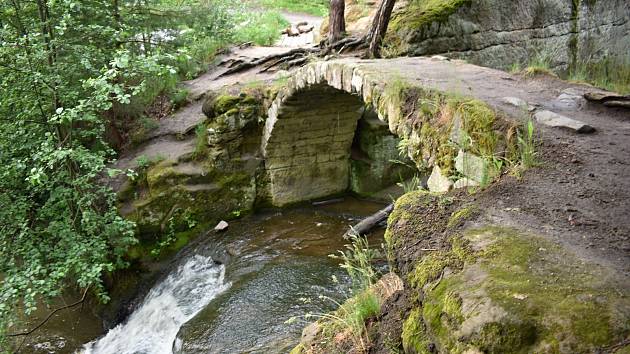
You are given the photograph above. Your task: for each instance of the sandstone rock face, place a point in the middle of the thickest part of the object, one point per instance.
(499, 33)
(374, 157)
(308, 154)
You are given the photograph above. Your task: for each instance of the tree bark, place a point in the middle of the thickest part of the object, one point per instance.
(379, 27)
(337, 25)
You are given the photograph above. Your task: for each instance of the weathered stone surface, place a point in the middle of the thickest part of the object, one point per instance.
(438, 183)
(516, 102)
(307, 149)
(471, 166)
(308, 181)
(569, 99)
(499, 33)
(556, 120)
(500, 290)
(465, 182)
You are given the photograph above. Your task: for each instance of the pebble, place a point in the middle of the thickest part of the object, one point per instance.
(221, 226)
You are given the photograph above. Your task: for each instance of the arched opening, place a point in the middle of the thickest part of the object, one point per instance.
(323, 141)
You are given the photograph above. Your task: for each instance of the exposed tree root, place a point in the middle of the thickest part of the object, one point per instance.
(295, 57)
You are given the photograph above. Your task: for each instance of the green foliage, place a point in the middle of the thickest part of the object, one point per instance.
(527, 145)
(69, 70)
(313, 7)
(357, 260)
(201, 148)
(540, 64)
(261, 28)
(609, 73)
(410, 185)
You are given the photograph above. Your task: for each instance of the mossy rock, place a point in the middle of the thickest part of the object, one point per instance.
(180, 203)
(415, 19)
(512, 292)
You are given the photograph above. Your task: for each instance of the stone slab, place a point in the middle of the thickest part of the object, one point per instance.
(556, 120)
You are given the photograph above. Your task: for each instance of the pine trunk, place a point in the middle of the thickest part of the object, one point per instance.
(337, 20)
(379, 27)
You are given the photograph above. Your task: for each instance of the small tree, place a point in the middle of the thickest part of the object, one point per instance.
(379, 27)
(337, 25)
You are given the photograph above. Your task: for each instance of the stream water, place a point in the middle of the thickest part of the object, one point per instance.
(232, 292)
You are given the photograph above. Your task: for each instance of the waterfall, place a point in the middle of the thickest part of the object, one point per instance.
(152, 328)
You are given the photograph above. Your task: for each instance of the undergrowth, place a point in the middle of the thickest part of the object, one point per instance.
(610, 74)
(348, 322)
(312, 7)
(201, 146)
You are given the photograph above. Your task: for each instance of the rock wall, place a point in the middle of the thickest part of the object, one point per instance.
(307, 156)
(499, 33)
(376, 162)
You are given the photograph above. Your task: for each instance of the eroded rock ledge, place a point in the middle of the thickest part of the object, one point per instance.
(499, 33)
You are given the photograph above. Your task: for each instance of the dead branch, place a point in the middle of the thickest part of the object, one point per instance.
(367, 224)
(26, 333)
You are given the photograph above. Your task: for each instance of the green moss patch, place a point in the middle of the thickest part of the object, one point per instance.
(414, 337)
(434, 126)
(516, 293)
(417, 16)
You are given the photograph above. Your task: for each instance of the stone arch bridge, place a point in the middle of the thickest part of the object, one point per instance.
(311, 123)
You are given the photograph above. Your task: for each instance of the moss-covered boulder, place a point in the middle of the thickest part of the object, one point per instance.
(170, 199)
(499, 290)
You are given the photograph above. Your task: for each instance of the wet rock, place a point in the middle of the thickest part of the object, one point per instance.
(472, 166)
(438, 183)
(221, 226)
(556, 120)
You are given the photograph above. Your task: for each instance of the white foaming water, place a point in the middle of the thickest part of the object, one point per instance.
(152, 328)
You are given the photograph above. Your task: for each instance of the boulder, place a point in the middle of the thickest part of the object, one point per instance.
(516, 102)
(465, 182)
(556, 120)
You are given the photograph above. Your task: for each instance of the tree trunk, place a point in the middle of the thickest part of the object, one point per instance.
(379, 27)
(337, 25)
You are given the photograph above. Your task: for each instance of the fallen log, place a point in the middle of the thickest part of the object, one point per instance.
(327, 202)
(369, 223)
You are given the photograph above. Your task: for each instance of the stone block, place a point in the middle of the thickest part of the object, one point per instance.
(438, 183)
(299, 183)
